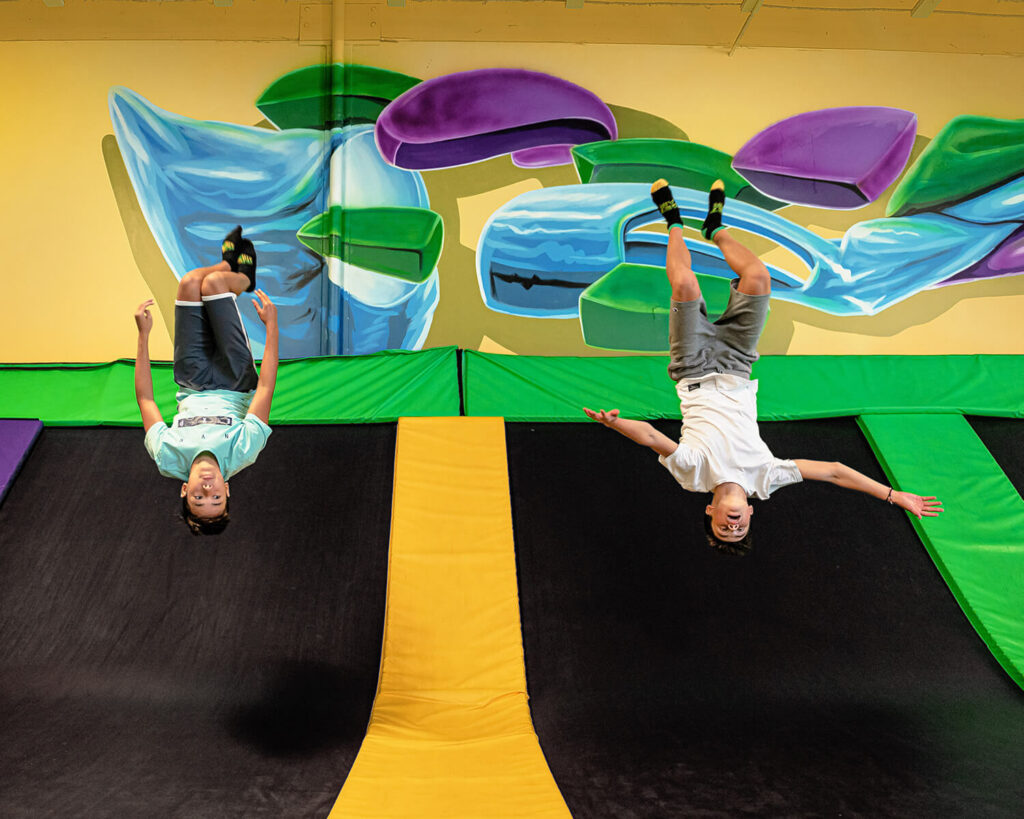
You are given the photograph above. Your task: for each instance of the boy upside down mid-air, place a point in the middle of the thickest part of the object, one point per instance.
(720, 449)
(223, 403)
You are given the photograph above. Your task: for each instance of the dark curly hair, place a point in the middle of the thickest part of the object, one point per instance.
(729, 547)
(205, 526)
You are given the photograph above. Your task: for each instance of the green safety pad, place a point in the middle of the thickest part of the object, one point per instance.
(80, 394)
(976, 542)
(327, 390)
(340, 389)
(796, 387)
(968, 156)
(627, 308)
(553, 388)
(683, 164)
(331, 96)
(400, 242)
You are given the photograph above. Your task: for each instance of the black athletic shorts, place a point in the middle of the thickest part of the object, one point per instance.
(211, 347)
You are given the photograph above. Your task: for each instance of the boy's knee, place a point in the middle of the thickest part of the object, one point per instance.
(687, 289)
(190, 286)
(224, 281)
(217, 282)
(755, 282)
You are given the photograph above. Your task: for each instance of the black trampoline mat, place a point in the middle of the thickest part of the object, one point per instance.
(147, 672)
(828, 673)
(1004, 438)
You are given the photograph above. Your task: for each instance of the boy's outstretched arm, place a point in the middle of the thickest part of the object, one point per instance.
(143, 374)
(639, 431)
(848, 478)
(260, 406)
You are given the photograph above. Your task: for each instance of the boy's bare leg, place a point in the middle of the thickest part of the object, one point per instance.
(224, 280)
(754, 277)
(190, 288)
(678, 265)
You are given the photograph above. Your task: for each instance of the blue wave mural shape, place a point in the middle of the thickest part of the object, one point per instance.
(196, 179)
(545, 246)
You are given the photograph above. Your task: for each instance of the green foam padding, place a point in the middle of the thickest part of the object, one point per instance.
(395, 241)
(331, 96)
(327, 390)
(968, 156)
(976, 542)
(385, 386)
(627, 308)
(791, 388)
(683, 164)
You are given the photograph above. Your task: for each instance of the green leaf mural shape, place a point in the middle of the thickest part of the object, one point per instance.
(331, 96)
(627, 308)
(968, 156)
(400, 242)
(683, 164)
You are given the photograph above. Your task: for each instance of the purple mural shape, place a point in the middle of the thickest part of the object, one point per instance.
(543, 157)
(1005, 260)
(838, 158)
(470, 116)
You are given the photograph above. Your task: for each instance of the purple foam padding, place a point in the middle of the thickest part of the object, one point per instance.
(470, 116)
(838, 158)
(16, 439)
(1005, 260)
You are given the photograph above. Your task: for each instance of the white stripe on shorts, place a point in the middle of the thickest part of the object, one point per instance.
(241, 323)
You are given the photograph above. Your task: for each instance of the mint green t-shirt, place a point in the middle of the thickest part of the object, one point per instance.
(215, 421)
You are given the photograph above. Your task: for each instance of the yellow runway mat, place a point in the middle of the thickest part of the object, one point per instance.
(450, 734)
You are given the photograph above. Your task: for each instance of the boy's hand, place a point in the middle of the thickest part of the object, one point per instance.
(265, 308)
(916, 505)
(607, 418)
(143, 318)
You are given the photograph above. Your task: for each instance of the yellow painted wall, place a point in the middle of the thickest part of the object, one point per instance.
(71, 273)
(70, 280)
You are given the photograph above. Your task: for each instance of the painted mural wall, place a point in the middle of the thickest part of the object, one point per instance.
(496, 198)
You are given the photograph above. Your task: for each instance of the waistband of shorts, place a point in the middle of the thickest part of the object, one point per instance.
(707, 376)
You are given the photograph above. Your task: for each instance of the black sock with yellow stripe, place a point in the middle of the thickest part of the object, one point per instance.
(716, 204)
(245, 262)
(229, 247)
(661, 193)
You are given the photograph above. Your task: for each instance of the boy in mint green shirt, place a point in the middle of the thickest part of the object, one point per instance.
(221, 424)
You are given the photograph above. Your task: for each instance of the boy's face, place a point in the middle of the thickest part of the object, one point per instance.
(730, 519)
(206, 490)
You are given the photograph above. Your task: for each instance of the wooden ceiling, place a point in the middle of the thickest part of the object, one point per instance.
(938, 26)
